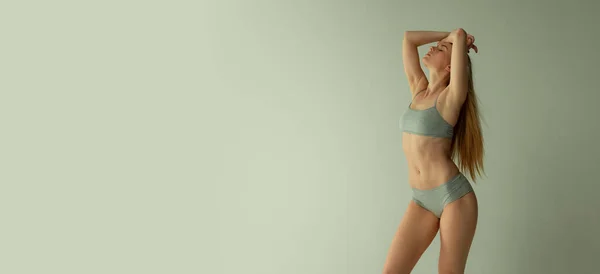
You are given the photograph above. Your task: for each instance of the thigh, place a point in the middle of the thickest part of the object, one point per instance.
(457, 230)
(417, 229)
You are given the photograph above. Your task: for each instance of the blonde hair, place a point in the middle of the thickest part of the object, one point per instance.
(467, 142)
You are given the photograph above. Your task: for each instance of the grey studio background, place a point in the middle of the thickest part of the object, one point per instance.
(262, 136)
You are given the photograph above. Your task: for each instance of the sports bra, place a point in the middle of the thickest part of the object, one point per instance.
(426, 122)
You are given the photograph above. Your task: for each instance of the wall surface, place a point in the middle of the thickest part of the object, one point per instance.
(261, 137)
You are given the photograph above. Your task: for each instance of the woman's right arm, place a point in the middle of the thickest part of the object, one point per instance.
(410, 55)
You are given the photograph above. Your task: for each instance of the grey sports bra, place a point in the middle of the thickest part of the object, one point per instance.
(426, 122)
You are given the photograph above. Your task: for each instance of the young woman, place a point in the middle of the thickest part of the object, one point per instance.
(440, 125)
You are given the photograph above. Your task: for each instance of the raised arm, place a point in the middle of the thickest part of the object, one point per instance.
(410, 56)
(459, 82)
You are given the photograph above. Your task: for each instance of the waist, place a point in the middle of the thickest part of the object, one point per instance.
(425, 175)
(426, 149)
(429, 163)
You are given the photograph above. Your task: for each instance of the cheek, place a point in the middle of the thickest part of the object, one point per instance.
(444, 58)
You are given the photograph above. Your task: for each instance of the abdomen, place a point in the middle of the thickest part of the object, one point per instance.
(429, 160)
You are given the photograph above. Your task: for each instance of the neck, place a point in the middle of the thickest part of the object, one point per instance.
(438, 80)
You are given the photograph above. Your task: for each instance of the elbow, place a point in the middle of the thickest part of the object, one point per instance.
(460, 32)
(408, 38)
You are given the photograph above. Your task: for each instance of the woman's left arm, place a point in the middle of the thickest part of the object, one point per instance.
(459, 80)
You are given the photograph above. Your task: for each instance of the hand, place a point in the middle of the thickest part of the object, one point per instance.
(470, 39)
(470, 43)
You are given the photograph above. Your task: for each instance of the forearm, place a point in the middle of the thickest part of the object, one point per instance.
(458, 39)
(457, 36)
(419, 38)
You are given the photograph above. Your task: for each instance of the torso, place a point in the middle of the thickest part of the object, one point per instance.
(429, 157)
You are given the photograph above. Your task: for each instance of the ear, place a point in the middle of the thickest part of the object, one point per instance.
(447, 68)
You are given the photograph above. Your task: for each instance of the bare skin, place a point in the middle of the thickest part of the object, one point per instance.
(457, 229)
(415, 233)
(429, 161)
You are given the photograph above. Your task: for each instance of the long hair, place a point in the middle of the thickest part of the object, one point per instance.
(467, 142)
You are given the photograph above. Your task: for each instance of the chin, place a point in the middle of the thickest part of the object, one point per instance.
(425, 62)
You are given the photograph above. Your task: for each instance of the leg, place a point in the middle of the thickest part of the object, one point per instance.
(457, 229)
(415, 233)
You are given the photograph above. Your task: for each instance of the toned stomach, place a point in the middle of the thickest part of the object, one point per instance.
(429, 160)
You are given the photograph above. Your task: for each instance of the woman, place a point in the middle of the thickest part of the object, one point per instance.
(441, 124)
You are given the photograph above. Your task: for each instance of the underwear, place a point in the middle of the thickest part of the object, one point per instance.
(437, 198)
(426, 122)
